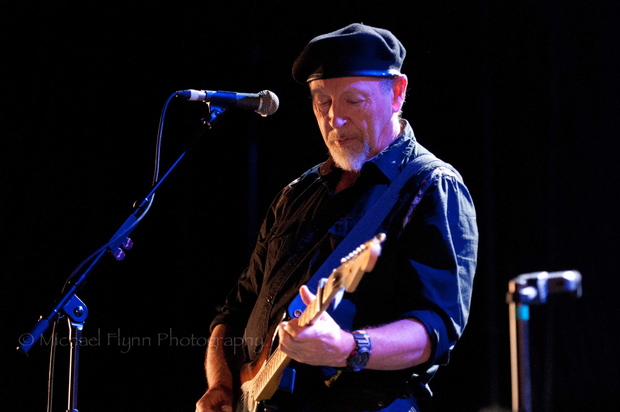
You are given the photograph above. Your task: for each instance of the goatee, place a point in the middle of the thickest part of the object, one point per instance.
(350, 158)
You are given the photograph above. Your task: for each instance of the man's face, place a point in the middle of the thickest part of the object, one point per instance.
(356, 117)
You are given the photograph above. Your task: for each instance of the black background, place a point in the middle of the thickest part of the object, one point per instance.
(521, 96)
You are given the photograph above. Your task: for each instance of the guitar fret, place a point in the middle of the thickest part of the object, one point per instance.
(271, 365)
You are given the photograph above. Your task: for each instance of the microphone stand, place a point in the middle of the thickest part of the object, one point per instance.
(524, 290)
(70, 306)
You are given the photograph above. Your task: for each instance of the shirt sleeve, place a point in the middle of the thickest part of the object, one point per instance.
(442, 251)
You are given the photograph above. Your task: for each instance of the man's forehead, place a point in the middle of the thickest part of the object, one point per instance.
(344, 84)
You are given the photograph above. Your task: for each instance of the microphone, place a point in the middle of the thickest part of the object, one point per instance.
(264, 103)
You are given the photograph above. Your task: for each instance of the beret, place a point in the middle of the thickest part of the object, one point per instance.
(355, 50)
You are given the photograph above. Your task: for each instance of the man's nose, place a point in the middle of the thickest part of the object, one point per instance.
(337, 117)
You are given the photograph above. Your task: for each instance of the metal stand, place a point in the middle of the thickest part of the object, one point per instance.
(70, 306)
(76, 312)
(519, 353)
(524, 290)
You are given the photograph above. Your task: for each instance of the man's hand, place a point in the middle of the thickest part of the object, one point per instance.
(216, 399)
(321, 344)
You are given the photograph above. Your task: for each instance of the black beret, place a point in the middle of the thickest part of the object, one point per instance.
(355, 50)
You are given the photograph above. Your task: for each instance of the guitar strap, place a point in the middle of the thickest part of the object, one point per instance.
(367, 227)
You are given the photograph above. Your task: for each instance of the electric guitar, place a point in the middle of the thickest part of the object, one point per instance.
(260, 379)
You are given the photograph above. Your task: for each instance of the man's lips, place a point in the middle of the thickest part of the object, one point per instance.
(343, 141)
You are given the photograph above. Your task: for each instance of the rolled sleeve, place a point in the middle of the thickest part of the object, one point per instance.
(443, 256)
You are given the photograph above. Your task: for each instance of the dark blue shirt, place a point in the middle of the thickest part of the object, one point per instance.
(425, 271)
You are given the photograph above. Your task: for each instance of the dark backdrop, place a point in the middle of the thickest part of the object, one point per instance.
(521, 96)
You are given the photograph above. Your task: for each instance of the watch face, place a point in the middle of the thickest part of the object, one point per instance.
(359, 360)
(363, 357)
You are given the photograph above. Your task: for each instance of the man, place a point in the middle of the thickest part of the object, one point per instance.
(410, 310)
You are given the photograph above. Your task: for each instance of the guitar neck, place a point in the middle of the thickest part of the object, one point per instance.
(325, 294)
(274, 366)
(263, 382)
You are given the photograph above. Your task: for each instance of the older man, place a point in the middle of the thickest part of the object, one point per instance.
(379, 348)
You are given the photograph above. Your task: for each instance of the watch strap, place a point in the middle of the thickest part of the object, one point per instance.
(359, 356)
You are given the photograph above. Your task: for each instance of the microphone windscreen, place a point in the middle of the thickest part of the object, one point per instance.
(269, 103)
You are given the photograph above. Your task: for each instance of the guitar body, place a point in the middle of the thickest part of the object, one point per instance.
(260, 379)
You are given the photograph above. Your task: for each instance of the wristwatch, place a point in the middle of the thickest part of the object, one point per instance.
(358, 358)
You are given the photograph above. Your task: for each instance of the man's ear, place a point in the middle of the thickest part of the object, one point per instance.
(400, 90)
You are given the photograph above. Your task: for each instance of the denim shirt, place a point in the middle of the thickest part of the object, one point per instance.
(425, 270)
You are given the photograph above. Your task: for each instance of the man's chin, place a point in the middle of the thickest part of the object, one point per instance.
(350, 163)
(350, 158)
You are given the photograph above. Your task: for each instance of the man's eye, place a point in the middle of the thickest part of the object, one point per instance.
(323, 106)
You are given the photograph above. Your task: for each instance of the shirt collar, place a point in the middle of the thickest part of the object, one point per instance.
(392, 159)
